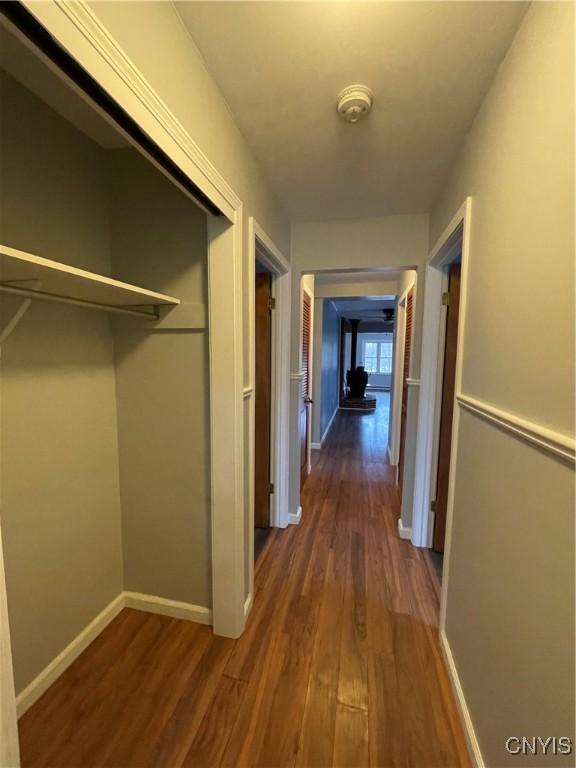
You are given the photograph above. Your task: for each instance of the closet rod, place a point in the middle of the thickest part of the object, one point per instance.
(45, 296)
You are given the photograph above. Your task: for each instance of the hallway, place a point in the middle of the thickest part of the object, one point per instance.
(339, 664)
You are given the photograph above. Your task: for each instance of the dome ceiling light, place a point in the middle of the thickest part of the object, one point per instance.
(354, 102)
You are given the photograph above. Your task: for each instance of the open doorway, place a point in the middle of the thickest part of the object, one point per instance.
(441, 373)
(353, 361)
(406, 349)
(305, 388)
(263, 307)
(266, 395)
(451, 300)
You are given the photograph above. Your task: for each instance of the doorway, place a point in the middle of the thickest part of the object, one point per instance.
(408, 323)
(263, 306)
(267, 466)
(305, 400)
(451, 300)
(446, 273)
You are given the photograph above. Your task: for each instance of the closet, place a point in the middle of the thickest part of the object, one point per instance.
(104, 399)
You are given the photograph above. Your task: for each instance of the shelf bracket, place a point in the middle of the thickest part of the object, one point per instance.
(19, 313)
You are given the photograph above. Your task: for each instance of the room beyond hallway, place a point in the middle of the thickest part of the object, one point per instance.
(339, 664)
(368, 430)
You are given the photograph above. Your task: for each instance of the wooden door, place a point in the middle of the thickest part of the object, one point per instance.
(305, 386)
(263, 397)
(447, 408)
(409, 310)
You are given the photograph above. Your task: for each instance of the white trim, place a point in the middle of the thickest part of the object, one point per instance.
(113, 69)
(542, 437)
(294, 519)
(137, 600)
(163, 606)
(9, 748)
(403, 531)
(268, 252)
(58, 665)
(412, 382)
(247, 392)
(227, 432)
(248, 603)
(318, 446)
(297, 376)
(398, 376)
(329, 426)
(469, 732)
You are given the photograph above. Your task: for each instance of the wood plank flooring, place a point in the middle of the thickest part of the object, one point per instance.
(339, 665)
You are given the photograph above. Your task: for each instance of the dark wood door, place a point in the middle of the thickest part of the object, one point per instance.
(305, 386)
(263, 397)
(405, 376)
(447, 408)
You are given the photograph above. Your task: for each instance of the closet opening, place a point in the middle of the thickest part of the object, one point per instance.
(105, 451)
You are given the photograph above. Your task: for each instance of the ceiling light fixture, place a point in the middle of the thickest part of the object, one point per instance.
(354, 102)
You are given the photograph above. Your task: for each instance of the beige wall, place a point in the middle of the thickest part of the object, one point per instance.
(390, 242)
(510, 601)
(59, 453)
(165, 53)
(95, 498)
(159, 239)
(329, 290)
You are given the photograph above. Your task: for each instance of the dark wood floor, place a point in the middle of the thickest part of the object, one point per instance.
(339, 664)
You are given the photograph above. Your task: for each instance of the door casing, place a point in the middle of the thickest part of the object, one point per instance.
(447, 399)
(455, 240)
(262, 247)
(263, 398)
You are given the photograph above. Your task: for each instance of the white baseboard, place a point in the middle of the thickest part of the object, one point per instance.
(403, 531)
(469, 732)
(166, 607)
(248, 604)
(318, 446)
(57, 666)
(294, 519)
(325, 435)
(148, 603)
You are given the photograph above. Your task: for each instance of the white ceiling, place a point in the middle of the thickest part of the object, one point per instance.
(280, 65)
(363, 309)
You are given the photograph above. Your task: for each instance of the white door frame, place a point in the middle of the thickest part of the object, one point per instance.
(454, 239)
(262, 247)
(398, 376)
(78, 29)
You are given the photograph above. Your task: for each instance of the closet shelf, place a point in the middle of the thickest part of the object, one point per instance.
(34, 277)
